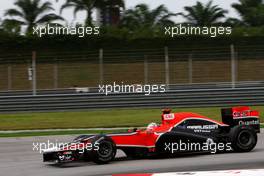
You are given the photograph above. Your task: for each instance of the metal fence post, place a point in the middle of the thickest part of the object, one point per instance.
(190, 66)
(167, 71)
(9, 77)
(146, 69)
(101, 65)
(34, 75)
(233, 66)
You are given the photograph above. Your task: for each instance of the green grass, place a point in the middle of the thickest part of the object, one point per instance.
(94, 119)
(51, 133)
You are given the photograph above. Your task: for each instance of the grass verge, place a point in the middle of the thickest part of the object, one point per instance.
(91, 119)
(97, 119)
(52, 133)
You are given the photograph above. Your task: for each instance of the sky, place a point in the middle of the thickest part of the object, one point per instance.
(173, 5)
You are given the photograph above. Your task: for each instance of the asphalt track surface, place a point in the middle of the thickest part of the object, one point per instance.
(17, 158)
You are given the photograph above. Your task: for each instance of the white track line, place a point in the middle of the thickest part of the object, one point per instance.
(253, 172)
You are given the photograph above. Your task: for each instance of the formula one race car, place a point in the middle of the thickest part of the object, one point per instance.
(178, 133)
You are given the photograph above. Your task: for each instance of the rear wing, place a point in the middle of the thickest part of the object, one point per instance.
(241, 115)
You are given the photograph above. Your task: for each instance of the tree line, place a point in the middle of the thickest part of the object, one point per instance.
(139, 20)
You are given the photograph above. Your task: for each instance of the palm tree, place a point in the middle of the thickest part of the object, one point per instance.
(143, 17)
(31, 13)
(204, 14)
(90, 5)
(81, 5)
(251, 12)
(110, 8)
(11, 27)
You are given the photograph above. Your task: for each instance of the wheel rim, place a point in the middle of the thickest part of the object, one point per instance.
(105, 149)
(244, 138)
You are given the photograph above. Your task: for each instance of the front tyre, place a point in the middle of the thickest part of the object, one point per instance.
(243, 138)
(105, 151)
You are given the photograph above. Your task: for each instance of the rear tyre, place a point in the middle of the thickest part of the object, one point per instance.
(105, 150)
(243, 138)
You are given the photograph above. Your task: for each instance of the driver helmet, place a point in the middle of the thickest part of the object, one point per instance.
(152, 125)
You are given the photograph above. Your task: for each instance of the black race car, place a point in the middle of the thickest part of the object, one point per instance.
(178, 133)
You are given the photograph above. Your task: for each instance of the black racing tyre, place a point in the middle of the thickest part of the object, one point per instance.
(243, 138)
(105, 150)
